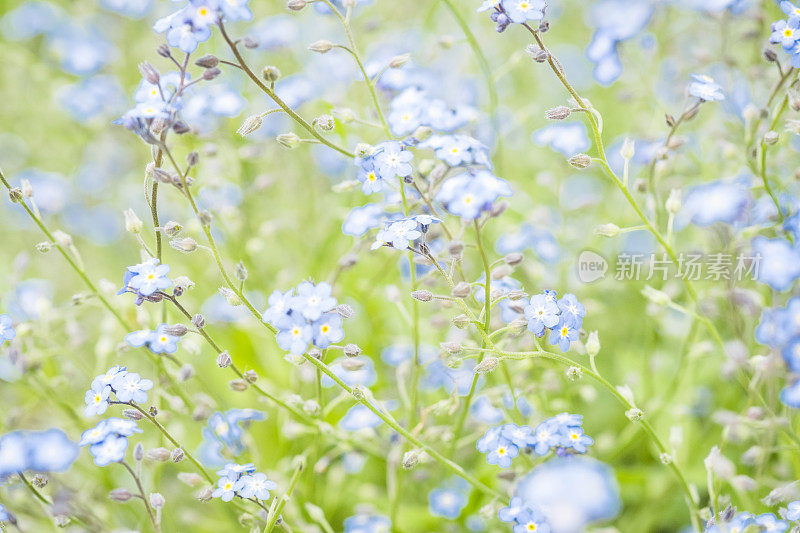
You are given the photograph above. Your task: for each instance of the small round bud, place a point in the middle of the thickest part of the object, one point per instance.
(120, 495)
(358, 393)
(345, 115)
(352, 365)
(172, 228)
(324, 122)
(237, 385)
(138, 452)
(557, 113)
(422, 295)
(296, 5)
(224, 360)
(410, 460)
(192, 158)
(15, 195)
(461, 290)
(574, 373)
(163, 50)
(461, 321)
(322, 46)
(157, 501)
(770, 55)
(451, 347)
(250, 42)
(190, 478)
(344, 310)
(580, 161)
(176, 330)
(538, 55)
(240, 271)
(311, 407)
(271, 74)
(665, 458)
(513, 259)
(207, 61)
(177, 455)
(771, 137)
(251, 376)
(288, 140)
(204, 217)
(43, 247)
(352, 350)
(153, 410)
(211, 73)
(230, 296)
(487, 365)
(198, 321)
(634, 415)
(185, 372)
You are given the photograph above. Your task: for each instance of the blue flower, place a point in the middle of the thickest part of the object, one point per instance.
(704, 88)
(520, 11)
(182, 30)
(447, 502)
(778, 262)
(545, 436)
(225, 490)
(108, 377)
(793, 511)
(542, 312)
(515, 508)
(572, 310)
(531, 520)
(96, 400)
(130, 387)
(110, 450)
(147, 278)
(469, 194)
(6, 516)
(520, 436)
(158, 341)
(7, 331)
(391, 159)
(313, 300)
(786, 33)
(716, 201)
(359, 417)
(398, 234)
(576, 439)
(235, 10)
(790, 395)
(563, 334)
(771, 524)
(40, 451)
(295, 335)
(234, 471)
(483, 410)
(367, 523)
(255, 486)
(773, 328)
(370, 180)
(280, 303)
(458, 150)
(565, 138)
(362, 219)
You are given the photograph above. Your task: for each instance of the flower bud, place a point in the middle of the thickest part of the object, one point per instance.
(132, 414)
(487, 365)
(15, 195)
(422, 295)
(352, 350)
(345, 115)
(158, 454)
(344, 310)
(451, 347)
(271, 73)
(198, 321)
(138, 452)
(580, 161)
(231, 297)
(186, 245)
(321, 47)
(237, 385)
(461, 290)
(513, 259)
(593, 344)
(358, 393)
(607, 230)
(771, 137)
(558, 113)
(251, 376)
(177, 455)
(399, 60)
(240, 271)
(43, 247)
(656, 296)
(673, 203)
(352, 365)
(250, 124)
(224, 359)
(207, 61)
(461, 321)
(324, 122)
(628, 149)
(120, 495)
(157, 501)
(574, 373)
(634, 415)
(177, 330)
(539, 55)
(190, 478)
(132, 223)
(149, 72)
(410, 460)
(288, 140)
(296, 5)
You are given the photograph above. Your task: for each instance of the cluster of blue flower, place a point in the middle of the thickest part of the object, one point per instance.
(242, 481)
(786, 32)
(779, 328)
(523, 517)
(191, 24)
(127, 386)
(108, 440)
(37, 451)
(7, 331)
(381, 163)
(563, 317)
(367, 523)
(415, 107)
(223, 434)
(400, 233)
(562, 433)
(765, 522)
(157, 341)
(307, 316)
(504, 12)
(472, 193)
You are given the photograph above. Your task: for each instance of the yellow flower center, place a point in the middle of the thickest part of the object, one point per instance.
(787, 32)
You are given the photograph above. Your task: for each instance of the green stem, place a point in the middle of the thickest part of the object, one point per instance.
(275, 512)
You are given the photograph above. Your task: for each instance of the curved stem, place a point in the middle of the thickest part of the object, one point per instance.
(143, 496)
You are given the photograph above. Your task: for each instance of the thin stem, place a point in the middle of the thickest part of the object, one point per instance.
(275, 513)
(143, 496)
(269, 92)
